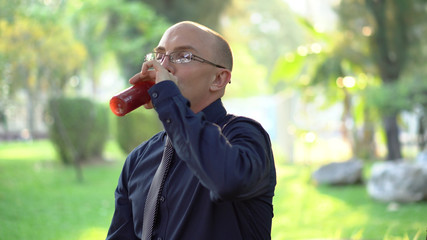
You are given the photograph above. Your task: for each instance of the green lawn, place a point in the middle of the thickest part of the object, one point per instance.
(305, 211)
(41, 199)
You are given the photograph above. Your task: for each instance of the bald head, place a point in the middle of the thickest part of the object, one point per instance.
(220, 49)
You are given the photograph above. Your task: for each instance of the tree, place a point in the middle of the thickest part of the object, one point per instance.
(204, 12)
(30, 51)
(125, 29)
(389, 47)
(268, 30)
(259, 34)
(396, 26)
(44, 44)
(377, 40)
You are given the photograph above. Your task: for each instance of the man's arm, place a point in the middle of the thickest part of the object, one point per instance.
(234, 164)
(122, 226)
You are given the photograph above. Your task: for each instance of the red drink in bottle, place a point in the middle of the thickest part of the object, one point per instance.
(131, 98)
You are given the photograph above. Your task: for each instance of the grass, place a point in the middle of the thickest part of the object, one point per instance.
(41, 199)
(306, 211)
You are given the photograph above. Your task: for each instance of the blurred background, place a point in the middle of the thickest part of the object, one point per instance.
(330, 80)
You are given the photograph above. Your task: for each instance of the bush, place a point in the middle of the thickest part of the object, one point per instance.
(136, 127)
(78, 128)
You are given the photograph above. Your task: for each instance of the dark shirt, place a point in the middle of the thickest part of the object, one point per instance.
(220, 184)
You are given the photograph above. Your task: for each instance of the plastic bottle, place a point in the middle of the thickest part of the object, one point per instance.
(131, 98)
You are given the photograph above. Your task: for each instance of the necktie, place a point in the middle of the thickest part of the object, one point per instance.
(152, 201)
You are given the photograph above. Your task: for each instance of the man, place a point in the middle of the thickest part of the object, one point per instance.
(221, 179)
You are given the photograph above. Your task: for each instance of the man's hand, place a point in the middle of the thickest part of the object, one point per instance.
(152, 71)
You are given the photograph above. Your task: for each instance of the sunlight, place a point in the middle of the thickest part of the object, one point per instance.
(367, 31)
(347, 82)
(33, 150)
(302, 51)
(319, 12)
(54, 4)
(290, 57)
(93, 234)
(316, 48)
(310, 137)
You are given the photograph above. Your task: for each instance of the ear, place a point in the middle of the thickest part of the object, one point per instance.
(221, 80)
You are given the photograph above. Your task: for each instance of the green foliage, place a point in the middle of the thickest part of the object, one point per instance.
(247, 83)
(288, 69)
(397, 97)
(204, 12)
(44, 43)
(389, 98)
(128, 29)
(267, 30)
(390, 42)
(38, 55)
(136, 127)
(259, 34)
(378, 42)
(78, 128)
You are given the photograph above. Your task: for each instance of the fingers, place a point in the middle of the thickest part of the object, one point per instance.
(152, 71)
(148, 105)
(139, 77)
(149, 66)
(136, 78)
(157, 71)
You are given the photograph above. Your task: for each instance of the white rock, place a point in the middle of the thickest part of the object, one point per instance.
(339, 173)
(398, 182)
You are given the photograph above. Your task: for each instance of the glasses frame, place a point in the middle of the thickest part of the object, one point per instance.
(192, 58)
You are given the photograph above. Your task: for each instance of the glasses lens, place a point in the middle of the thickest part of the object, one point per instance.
(154, 56)
(149, 56)
(181, 57)
(159, 56)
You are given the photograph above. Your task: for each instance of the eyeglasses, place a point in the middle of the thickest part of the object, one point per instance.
(178, 57)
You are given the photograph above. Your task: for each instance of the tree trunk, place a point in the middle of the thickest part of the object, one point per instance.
(390, 45)
(345, 118)
(77, 162)
(31, 104)
(392, 133)
(421, 134)
(365, 142)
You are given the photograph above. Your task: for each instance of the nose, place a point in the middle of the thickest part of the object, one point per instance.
(166, 63)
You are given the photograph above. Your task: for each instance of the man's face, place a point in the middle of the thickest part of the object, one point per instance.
(193, 78)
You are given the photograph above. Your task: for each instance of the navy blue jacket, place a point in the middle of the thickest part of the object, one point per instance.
(220, 184)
